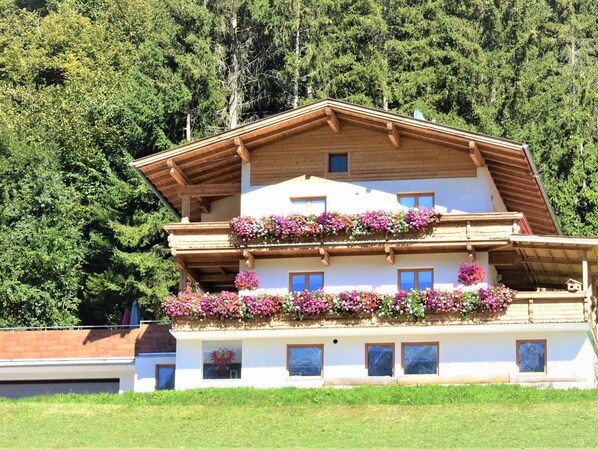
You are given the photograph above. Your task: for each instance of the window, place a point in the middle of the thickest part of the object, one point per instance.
(531, 356)
(309, 206)
(165, 377)
(222, 360)
(380, 359)
(306, 281)
(338, 163)
(414, 199)
(416, 279)
(305, 360)
(419, 358)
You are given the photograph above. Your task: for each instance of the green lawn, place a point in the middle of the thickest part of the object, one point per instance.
(431, 416)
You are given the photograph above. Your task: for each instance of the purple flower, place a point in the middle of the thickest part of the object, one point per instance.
(247, 280)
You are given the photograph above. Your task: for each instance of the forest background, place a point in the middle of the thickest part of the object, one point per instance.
(86, 86)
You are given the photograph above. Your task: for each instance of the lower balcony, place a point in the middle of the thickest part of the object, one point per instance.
(553, 307)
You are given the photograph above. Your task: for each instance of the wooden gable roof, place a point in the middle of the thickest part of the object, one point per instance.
(210, 168)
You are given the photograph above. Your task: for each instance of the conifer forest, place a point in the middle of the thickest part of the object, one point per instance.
(86, 86)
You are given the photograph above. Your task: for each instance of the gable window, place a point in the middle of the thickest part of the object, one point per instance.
(338, 163)
(416, 199)
(309, 205)
(306, 281)
(165, 377)
(380, 359)
(222, 360)
(531, 356)
(416, 279)
(305, 360)
(419, 358)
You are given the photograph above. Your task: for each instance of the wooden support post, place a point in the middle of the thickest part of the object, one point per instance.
(242, 151)
(182, 279)
(393, 134)
(324, 256)
(185, 208)
(530, 310)
(249, 259)
(585, 273)
(390, 254)
(177, 174)
(471, 252)
(332, 120)
(474, 153)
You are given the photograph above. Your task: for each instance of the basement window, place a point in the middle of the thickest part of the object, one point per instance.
(338, 163)
(420, 358)
(305, 360)
(531, 356)
(380, 359)
(165, 377)
(222, 360)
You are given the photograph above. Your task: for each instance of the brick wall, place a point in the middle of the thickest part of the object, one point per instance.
(79, 343)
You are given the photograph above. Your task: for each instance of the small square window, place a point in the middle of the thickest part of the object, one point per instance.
(165, 377)
(420, 358)
(419, 279)
(531, 356)
(305, 360)
(380, 359)
(338, 163)
(306, 281)
(409, 200)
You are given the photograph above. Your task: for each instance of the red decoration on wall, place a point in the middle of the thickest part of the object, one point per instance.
(222, 358)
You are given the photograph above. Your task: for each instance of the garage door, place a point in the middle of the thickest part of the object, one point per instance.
(19, 389)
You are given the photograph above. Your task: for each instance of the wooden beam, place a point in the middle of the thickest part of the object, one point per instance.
(474, 153)
(390, 254)
(393, 134)
(332, 120)
(229, 189)
(177, 174)
(204, 205)
(242, 151)
(585, 272)
(249, 259)
(217, 277)
(471, 252)
(324, 256)
(185, 208)
(213, 266)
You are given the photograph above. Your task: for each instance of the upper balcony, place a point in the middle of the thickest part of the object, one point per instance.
(211, 255)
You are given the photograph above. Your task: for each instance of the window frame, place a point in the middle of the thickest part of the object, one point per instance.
(517, 356)
(416, 197)
(341, 174)
(157, 375)
(420, 343)
(416, 272)
(367, 357)
(306, 345)
(309, 199)
(306, 274)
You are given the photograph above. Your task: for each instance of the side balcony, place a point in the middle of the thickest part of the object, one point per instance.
(208, 252)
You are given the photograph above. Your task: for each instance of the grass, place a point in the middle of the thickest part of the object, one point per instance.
(368, 417)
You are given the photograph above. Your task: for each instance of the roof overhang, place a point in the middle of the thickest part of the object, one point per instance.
(215, 161)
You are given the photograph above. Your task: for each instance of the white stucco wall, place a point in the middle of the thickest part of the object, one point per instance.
(569, 354)
(454, 195)
(145, 369)
(366, 272)
(224, 209)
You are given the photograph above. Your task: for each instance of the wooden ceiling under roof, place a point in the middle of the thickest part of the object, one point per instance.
(215, 162)
(545, 261)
